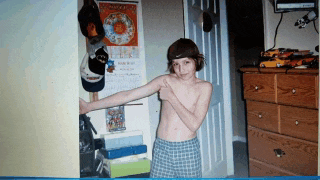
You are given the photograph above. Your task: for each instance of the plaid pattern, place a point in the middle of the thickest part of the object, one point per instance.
(176, 159)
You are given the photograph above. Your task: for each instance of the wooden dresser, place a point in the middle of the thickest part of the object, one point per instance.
(282, 121)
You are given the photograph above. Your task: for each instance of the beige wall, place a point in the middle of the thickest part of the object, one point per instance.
(38, 92)
(40, 53)
(289, 36)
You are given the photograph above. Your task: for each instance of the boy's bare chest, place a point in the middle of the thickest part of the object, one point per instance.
(187, 95)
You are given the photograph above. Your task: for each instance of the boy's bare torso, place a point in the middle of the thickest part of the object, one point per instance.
(185, 101)
(171, 128)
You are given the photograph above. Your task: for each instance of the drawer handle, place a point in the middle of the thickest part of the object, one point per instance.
(256, 88)
(297, 122)
(279, 152)
(294, 91)
(260, 116)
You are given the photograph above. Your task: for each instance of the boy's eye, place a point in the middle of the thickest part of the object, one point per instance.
(175, 64)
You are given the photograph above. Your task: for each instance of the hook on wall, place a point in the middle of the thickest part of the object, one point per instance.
(207, 23)
(205, 20)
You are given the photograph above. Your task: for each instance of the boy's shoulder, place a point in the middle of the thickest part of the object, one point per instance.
(201, 83)
(162, 77)
(159, 80)
(165, 76)
(169, 77)
(204, 84)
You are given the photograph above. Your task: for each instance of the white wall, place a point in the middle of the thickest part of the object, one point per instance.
(289, 36)
(38, 92)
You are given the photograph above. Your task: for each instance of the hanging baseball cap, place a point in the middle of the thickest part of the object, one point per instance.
(89, 13)
(91, 82)
(97, 60)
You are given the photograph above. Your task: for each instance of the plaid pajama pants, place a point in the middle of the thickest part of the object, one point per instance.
(176, 159)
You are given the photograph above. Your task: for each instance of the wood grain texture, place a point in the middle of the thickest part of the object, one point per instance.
(300, 156)
(259, 87)
(297, 90)
(317, 92)
(281, 70)
(258, 168)
(282, 115)
(263, 115)
(299, 122)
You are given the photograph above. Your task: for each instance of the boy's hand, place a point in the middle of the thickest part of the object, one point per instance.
(83, 107)
(166, 92)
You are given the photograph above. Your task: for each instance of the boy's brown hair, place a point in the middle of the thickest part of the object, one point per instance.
(185, 48)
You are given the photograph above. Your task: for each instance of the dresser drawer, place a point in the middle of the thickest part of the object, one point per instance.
(317, 92)
(299, 122)
(263, 115)
(297, 90)
(298, 156)
(260, 87)
(258, 168)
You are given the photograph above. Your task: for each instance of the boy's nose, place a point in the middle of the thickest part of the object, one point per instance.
(181, 68)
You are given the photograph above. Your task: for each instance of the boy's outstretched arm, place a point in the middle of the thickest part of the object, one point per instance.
(192, 120)
(122, 97)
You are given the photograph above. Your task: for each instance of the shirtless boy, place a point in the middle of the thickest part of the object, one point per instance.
(185, 102)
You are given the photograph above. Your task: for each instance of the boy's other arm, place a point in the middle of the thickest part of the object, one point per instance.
(192, 120)
(122, 97)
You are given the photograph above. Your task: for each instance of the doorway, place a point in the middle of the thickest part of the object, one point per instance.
(246, 41)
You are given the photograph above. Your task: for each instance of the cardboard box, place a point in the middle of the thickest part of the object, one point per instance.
(115, 168)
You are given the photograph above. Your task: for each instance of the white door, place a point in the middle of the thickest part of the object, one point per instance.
(215, 134)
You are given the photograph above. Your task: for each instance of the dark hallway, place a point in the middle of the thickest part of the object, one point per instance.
(246, 40)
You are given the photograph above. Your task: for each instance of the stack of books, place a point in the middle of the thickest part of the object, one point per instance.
(124, 154)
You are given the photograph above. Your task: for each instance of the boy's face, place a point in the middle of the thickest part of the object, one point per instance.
(184, 67)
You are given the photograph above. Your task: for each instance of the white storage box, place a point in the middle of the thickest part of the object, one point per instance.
(122, 139)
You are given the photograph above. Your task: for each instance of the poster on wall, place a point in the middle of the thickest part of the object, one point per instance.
(115, 119)
(127, 75)
(120, 22)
